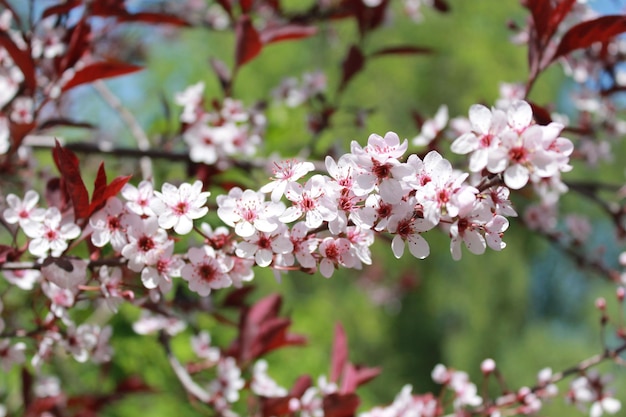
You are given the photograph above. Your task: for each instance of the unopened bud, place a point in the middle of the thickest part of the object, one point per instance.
(621, 292)
(601, 303)
(488, 366)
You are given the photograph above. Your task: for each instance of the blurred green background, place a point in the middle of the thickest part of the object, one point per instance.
(528, 307)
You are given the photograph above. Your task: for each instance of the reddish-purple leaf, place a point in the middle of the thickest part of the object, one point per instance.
(402, 50)
(354, 62)
(237, 297)
(540, 114)
(22, 58)
(441, 5)
(547, 18)
(99, 71)
(102, 193)
(277, 406)
(585, 34)
(6, 253)
(340, 405)
(285, 33)
(100, 182)
(78, 42)
(248, 42)
(355, 376)
(339, 356)
(246, 5)
(67, 164)
(303, 383)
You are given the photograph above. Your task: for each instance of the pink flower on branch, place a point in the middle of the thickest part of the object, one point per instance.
(178, 207)
(206, 271)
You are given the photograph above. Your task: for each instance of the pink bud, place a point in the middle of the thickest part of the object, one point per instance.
(601, 303)
(488, 366)
(621, 292)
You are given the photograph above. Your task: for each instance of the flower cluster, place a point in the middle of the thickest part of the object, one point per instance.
(215, 137)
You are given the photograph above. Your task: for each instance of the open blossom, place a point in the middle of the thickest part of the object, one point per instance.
(201, 345)
(284, 173)
(247, 212)
(23, 211)
(335, 252)
(67, 273)
(107, 225)
(263, 246)
(177, 207)
(206, 271)
(138, 198)
(431, 128)
(160, 273)
(146, 242)
(262, 384)
(408, 228)
(229, 382)
(51, 235)
(314, 201)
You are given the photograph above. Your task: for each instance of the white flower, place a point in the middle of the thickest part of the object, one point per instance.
(50, 234)
(177, 207)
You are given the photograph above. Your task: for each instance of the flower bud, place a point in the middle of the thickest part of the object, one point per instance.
(488, 366)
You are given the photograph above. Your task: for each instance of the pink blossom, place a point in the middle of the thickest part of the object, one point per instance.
(247, 212)
(138, 198)
(228, 382)
(408, 228)
(11, 354)
(285, 173)
(335, 252)
(51, 235)
(304, 245)
(486, 125)
(149, 323)
(146, 242)
(160, 273)
(314, 201)
(206, 271)
(201, 345)
(262, 384)
(262, 246)
(431, 128)
(22, 278)
(177, 207)
(23, 211)
(108, 226)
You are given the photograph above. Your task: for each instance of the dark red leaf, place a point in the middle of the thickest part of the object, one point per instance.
(275, 406)
(339, 356)
(237, 297)
(22, 58)
(585, 34)
(99, 71)
(546, 17)
(354, 62)
(403, 50)
(248, 41)
(78, 42)
(6, 253)
(67, 164)
(340, 405)
(354, 376)
(102, 192)
(302, 384)
(368, 18)
(246, 5)
(101, 181)
(441, 5)
(288, 32)
(540, 114)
